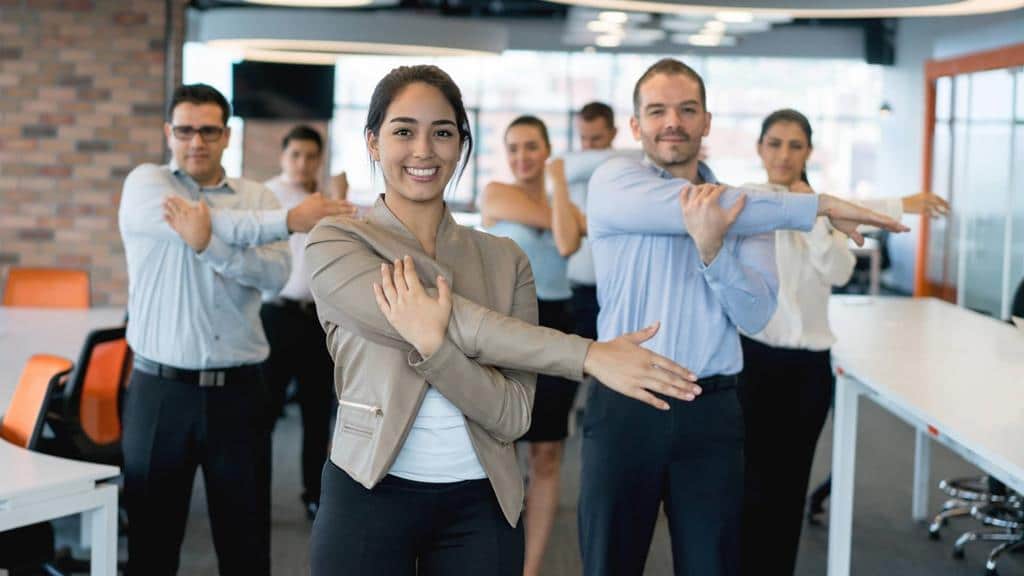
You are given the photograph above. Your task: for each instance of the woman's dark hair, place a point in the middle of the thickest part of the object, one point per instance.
(537, 123)
(396, 80)
(788, 115)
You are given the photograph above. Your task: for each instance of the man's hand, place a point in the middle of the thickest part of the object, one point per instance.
(925, 203)
(846, 217)
(706, 220)
(419, 318)
(190, 220)
(622, 365)
(315, 207)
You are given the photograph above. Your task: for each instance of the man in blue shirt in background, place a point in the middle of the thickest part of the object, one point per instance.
(670, 245)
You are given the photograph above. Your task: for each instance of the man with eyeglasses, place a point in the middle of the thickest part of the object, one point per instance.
(200, 248)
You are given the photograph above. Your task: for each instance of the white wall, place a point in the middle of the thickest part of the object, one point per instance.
(918, 40)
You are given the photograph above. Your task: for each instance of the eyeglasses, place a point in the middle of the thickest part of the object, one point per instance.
(207, 133)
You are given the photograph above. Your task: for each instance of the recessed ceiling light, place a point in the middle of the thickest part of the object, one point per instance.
(614, 17)
(608, 40)
(707, 40)
(589, 49)
(714, 26)
(325, 51)
(602, 26)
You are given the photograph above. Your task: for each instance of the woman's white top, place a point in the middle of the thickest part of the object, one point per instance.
(809, 264)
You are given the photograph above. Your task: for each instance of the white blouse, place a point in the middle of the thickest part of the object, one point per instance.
(809, 264)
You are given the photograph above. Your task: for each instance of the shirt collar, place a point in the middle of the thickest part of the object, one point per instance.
(381, 215)
(225, 185)
(703, 170)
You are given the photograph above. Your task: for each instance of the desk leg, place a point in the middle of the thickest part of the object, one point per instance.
(103, 526)
(922, 473)
(876, 271)
(844, 451)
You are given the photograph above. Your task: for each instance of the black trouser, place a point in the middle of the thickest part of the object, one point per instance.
(401, 528)
(172, 427)
(585, 309)
(298, 349)
(786, 394)
(636, 457)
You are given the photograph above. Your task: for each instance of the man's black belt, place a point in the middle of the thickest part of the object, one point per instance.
(718, 383)
(202, 378)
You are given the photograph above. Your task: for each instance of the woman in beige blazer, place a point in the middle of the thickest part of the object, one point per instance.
(436, 382)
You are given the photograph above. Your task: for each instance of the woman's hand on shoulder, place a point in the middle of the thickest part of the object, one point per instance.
(420, 318)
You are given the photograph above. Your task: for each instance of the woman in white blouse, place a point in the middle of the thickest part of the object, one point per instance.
(787, 375)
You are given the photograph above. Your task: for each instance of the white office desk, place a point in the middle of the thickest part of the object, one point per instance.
(28, 331)
(35, 487)
(954, 375)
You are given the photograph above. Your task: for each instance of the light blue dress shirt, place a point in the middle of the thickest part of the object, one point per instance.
(200, 311)
(648, 269)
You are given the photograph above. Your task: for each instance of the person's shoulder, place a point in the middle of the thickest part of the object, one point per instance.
(147, 171)
(494, 247)
(615, 166)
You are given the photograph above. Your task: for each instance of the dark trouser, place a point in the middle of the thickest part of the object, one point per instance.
(585, 309)
(401, 528)
(554, 396)
(636, 457)
(172, 427)
(298, 350)
(786, 394)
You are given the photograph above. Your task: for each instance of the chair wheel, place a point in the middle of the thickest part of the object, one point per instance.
(958, 553)
(991, 572)
(933, 534)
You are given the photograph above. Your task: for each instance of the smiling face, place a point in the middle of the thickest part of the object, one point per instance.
(671, 120)
(197, 157)
(418, 146)
(784, 150)
(526, 152)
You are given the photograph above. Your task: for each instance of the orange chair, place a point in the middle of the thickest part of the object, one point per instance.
(86, 415)
(47, 288)
(25, 414)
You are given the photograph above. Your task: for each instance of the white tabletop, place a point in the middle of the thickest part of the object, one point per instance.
(28, 331)
(34, 475)
(956, 370)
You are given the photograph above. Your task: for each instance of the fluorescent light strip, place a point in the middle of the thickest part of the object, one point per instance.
(961, 8)
(305, 50)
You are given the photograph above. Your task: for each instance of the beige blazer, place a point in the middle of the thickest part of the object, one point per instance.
(380, 380)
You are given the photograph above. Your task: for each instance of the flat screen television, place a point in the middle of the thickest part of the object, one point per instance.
(269, 90)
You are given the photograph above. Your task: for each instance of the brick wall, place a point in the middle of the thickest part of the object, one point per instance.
(82, 90)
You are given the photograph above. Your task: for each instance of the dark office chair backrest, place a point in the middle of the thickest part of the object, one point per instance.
(1018, 301)
(90, 406)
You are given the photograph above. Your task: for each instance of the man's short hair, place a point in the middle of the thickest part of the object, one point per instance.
(303, 132)
(199, 94)
(595, 110)
(668, 66)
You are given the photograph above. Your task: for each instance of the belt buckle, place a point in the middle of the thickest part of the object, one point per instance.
(211, 378)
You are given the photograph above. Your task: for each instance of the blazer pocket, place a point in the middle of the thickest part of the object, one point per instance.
(358, 418)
